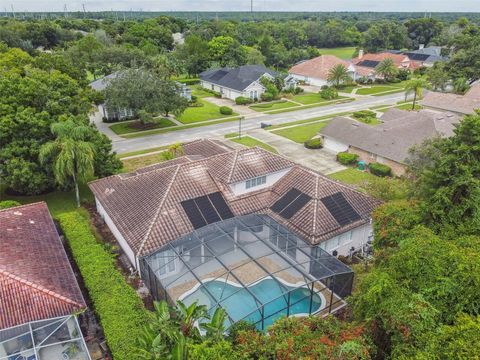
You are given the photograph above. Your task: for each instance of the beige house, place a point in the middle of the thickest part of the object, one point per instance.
(389, 142)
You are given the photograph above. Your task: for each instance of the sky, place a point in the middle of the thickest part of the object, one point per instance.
(244, 5)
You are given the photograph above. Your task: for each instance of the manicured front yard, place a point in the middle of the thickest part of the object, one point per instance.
(199, 91)
(206, 112)
(134, 126)
(352, 176)
(141, 161)
(301, 133)
(341, 52)
(274, 105)
(376, 89)
(308, 98)
(251, 142)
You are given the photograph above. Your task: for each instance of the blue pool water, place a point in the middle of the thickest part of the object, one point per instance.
(240, 304)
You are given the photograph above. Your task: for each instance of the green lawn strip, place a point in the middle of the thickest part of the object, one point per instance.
(399, 90)
(125, 127)
(251, 142)
(177, 128)
(281, 104)
(352, 176)
(142, 152)
(199, 91)
(341, 52)
(301, 133)
(347, 89)
(375, 89)
(206, 112)
(373, 121)
(409, 107)
(345, 100)
(117, 305)
(231, 135)
(308, 98)
(311, 120)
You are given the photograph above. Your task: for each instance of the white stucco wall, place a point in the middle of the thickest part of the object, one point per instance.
(233, 94)
(359, 237)
(113, 228)
(310, 81)
(240, 188)
(333, 145)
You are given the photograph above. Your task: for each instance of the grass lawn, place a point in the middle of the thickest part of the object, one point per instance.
(251, 142)
(140, 152)
(301, 133)
(128, 127)
(282, 104)
(341, 52)
(308, 98)
(199, 91)
(141, 161)
(375, 89)
(352, 176)
(206, 112)
(369, 121)
(347, 89)
(408, 107)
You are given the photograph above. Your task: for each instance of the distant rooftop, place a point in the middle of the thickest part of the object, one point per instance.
(464, 104)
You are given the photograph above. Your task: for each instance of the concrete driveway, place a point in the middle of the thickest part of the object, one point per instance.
(316, 159)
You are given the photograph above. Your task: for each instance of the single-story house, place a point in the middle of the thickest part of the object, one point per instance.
(315, 71)
(39, 294)
(459, 104)
(423, 56)
(115, 114)
(240, 81)
(365, 64)
(389, 142)
(236, 218)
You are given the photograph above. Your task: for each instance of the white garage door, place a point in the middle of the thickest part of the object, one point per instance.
(334, 146)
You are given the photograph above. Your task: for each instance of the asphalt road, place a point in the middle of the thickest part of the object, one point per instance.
(218, 130)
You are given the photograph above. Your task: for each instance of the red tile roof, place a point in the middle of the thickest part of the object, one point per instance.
(147, 209)
(36, 279)
(318, 67)
(401, 61)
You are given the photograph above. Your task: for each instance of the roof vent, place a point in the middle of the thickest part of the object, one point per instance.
(17, 213)
(108, 191)
(355, 124)
(449, 115)
(31, 221)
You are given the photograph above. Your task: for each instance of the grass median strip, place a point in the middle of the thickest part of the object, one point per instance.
(177, 128)
(141, 152)
(301, 133)
(274, 105)
(295, 108)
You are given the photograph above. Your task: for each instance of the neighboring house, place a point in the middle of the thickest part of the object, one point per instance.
(389, 142)
(234, 82)
(114, 113)
(424, 56)
(241, 216)
(365, 64)
(315, 71)
(39, 294)
(459, 104)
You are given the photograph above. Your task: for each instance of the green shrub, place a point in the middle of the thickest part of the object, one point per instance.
(313, 143)
(242, 100)
(347, 158)
(117, 305)
(266, 96)
(363, 114)
(189, 81)
(329, 93)
(8, 204)
(380, 169)
(225, 110)
(193, 98)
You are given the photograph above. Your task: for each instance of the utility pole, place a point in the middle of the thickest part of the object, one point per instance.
(65, 11)
(251, 6)
(13, 11)
(84, 12)
(240, 127)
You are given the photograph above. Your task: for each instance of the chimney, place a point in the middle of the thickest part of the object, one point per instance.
(360, 54)
(421, 46)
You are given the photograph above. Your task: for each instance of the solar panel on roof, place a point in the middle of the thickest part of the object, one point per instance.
(218, 75)
(369, 63)
(286, 199)
(418, 57)
(340, 209)
(222, 208)
(206, 208)
(193, 214)
(295, 206)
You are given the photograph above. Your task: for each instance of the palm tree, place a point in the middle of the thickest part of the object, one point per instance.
(71, 152)
(338, 74)
(387, 69)
(415, 86)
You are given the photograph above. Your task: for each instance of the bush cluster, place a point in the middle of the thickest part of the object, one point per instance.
(225, 110)
(315, 143)
(189, 81)
(266, 96)
(121, 312)
(5, 204)
(347, 158)
(242, 100)
(329, 93)
(362, 114)
(380, 169)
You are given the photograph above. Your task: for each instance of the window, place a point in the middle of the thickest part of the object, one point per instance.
(255, 182)
(213, 87)
(283, 244)
(337, 241)
(167, 263)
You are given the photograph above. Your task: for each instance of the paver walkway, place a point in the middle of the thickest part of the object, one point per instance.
(318, 159)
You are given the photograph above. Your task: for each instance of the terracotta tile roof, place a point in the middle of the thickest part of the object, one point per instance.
(36, 279)
(464, 104)
(146, 208)
(401, 61)
(317, 67)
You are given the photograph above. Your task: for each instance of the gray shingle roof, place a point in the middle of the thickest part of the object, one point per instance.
(394, 137)
(238, 78)
(464, 104)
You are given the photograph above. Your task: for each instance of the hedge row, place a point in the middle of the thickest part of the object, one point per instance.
(380, 169)
(347, 158)
(120, 310)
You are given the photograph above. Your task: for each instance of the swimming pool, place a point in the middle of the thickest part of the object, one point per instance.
(240, 304)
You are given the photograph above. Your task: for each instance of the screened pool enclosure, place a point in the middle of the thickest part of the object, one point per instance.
(251, 266)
